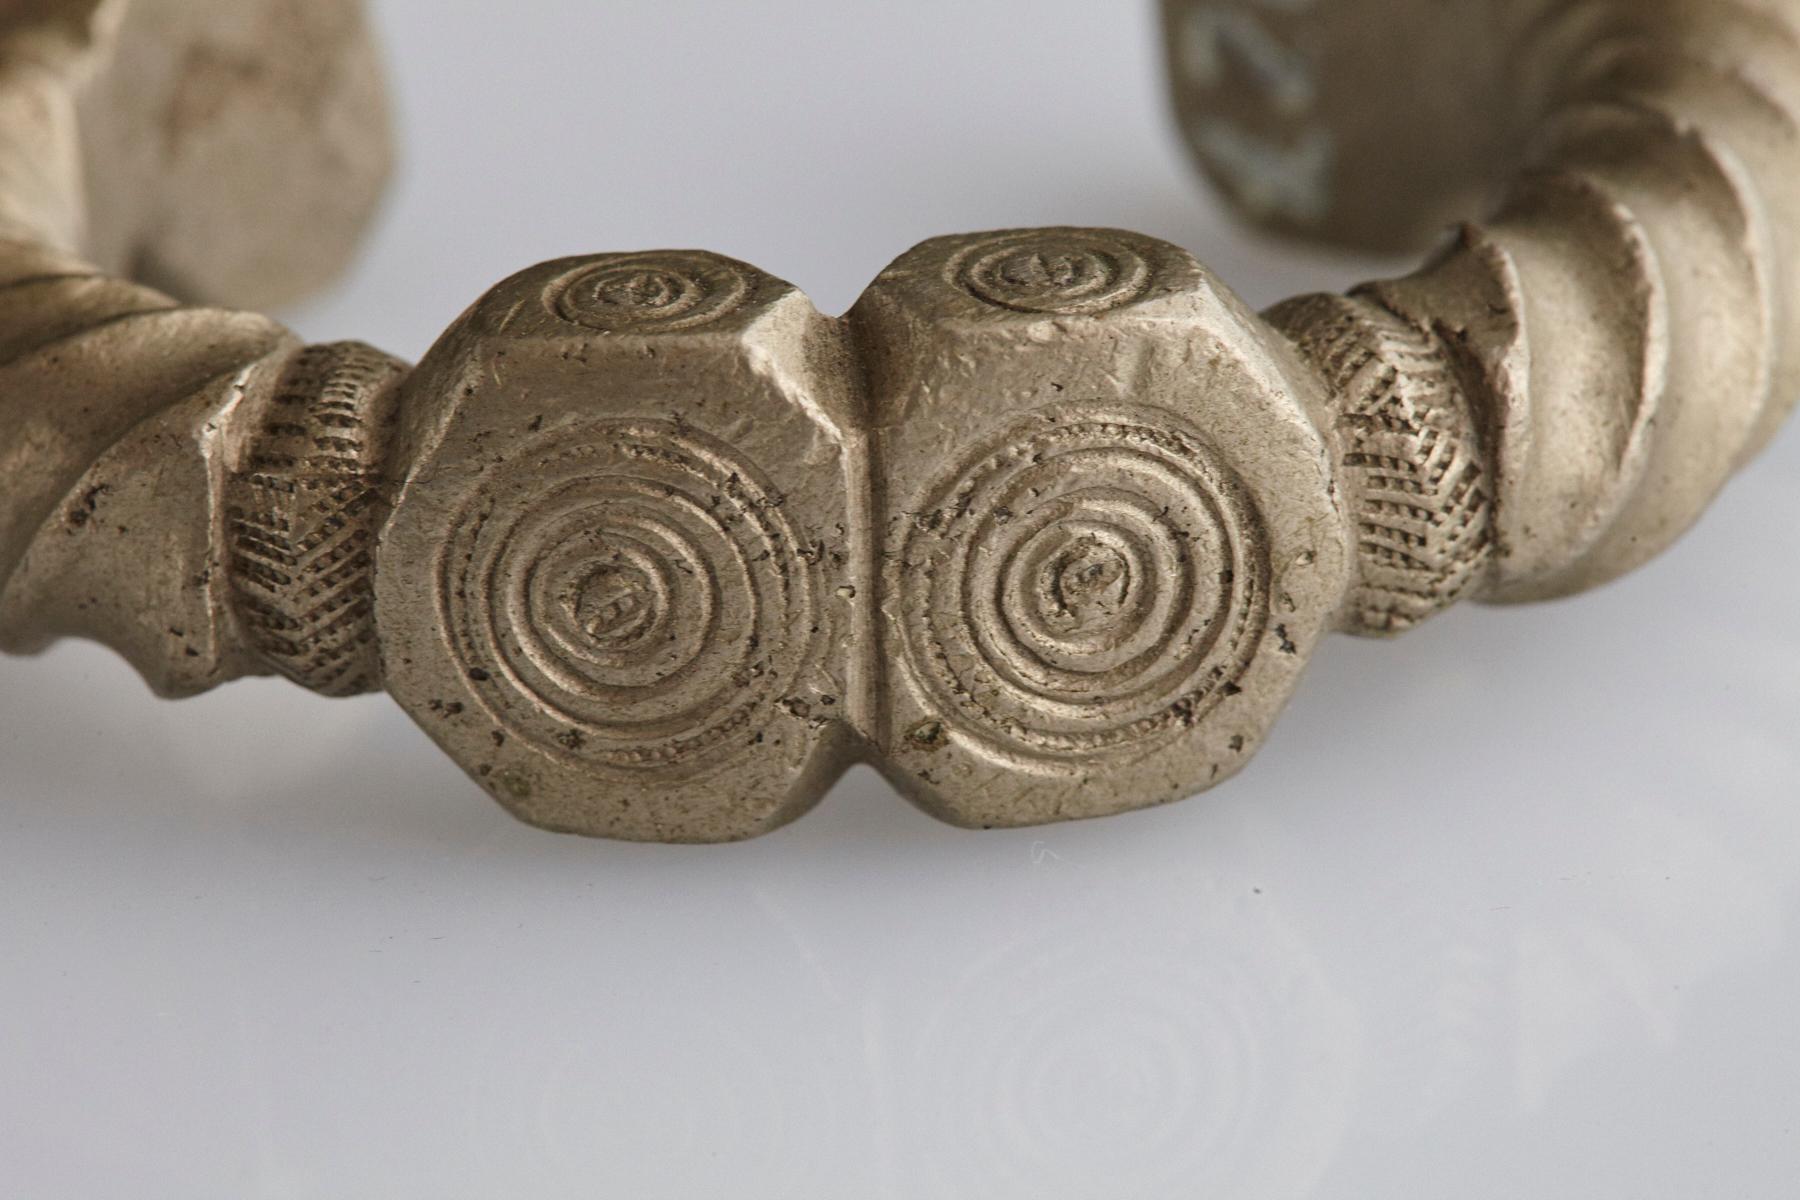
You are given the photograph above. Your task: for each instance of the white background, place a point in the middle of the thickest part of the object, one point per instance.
(1507, 908)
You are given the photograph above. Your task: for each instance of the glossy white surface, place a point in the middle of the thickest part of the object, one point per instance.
(1506, 910)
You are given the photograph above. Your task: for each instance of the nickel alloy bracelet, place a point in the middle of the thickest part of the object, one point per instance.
(1046, 527)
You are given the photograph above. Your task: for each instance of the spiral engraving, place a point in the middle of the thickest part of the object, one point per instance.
(629, 594)
(1061, 272)
(1093, 579)
(650, 293)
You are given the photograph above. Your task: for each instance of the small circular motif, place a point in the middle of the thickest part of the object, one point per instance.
(1086, 581)
(650, 293)
(627, 593)
(618, 603)
(1054, 272)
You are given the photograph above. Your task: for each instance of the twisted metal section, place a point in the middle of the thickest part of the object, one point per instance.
(118, 406)
(186, 484)
(189, 486)
(1628, 322)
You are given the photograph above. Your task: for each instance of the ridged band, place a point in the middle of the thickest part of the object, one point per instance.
(304, 513)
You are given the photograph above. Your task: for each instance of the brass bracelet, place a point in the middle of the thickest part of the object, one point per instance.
(1045, 527)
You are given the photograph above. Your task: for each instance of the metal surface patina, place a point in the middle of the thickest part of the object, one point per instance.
(1046, 527)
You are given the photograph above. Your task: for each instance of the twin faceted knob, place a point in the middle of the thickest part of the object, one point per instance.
(1044, 528)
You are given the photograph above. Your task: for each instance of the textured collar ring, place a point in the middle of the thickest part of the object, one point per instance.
(1046, 527)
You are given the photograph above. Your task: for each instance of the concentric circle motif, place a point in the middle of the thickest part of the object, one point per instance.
(1064, 273)
(628, 594)
(1089, 580)
(650, 293)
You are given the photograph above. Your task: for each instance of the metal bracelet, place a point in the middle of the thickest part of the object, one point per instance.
(1046, 527)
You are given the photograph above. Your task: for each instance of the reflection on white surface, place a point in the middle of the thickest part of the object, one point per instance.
(1505, 910)
(1138, 1063)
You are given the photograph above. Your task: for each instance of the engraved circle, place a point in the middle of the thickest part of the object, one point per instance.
(1089, 580)
(1054, 272)
(650, 293)
(619, 602)
(627, 593)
